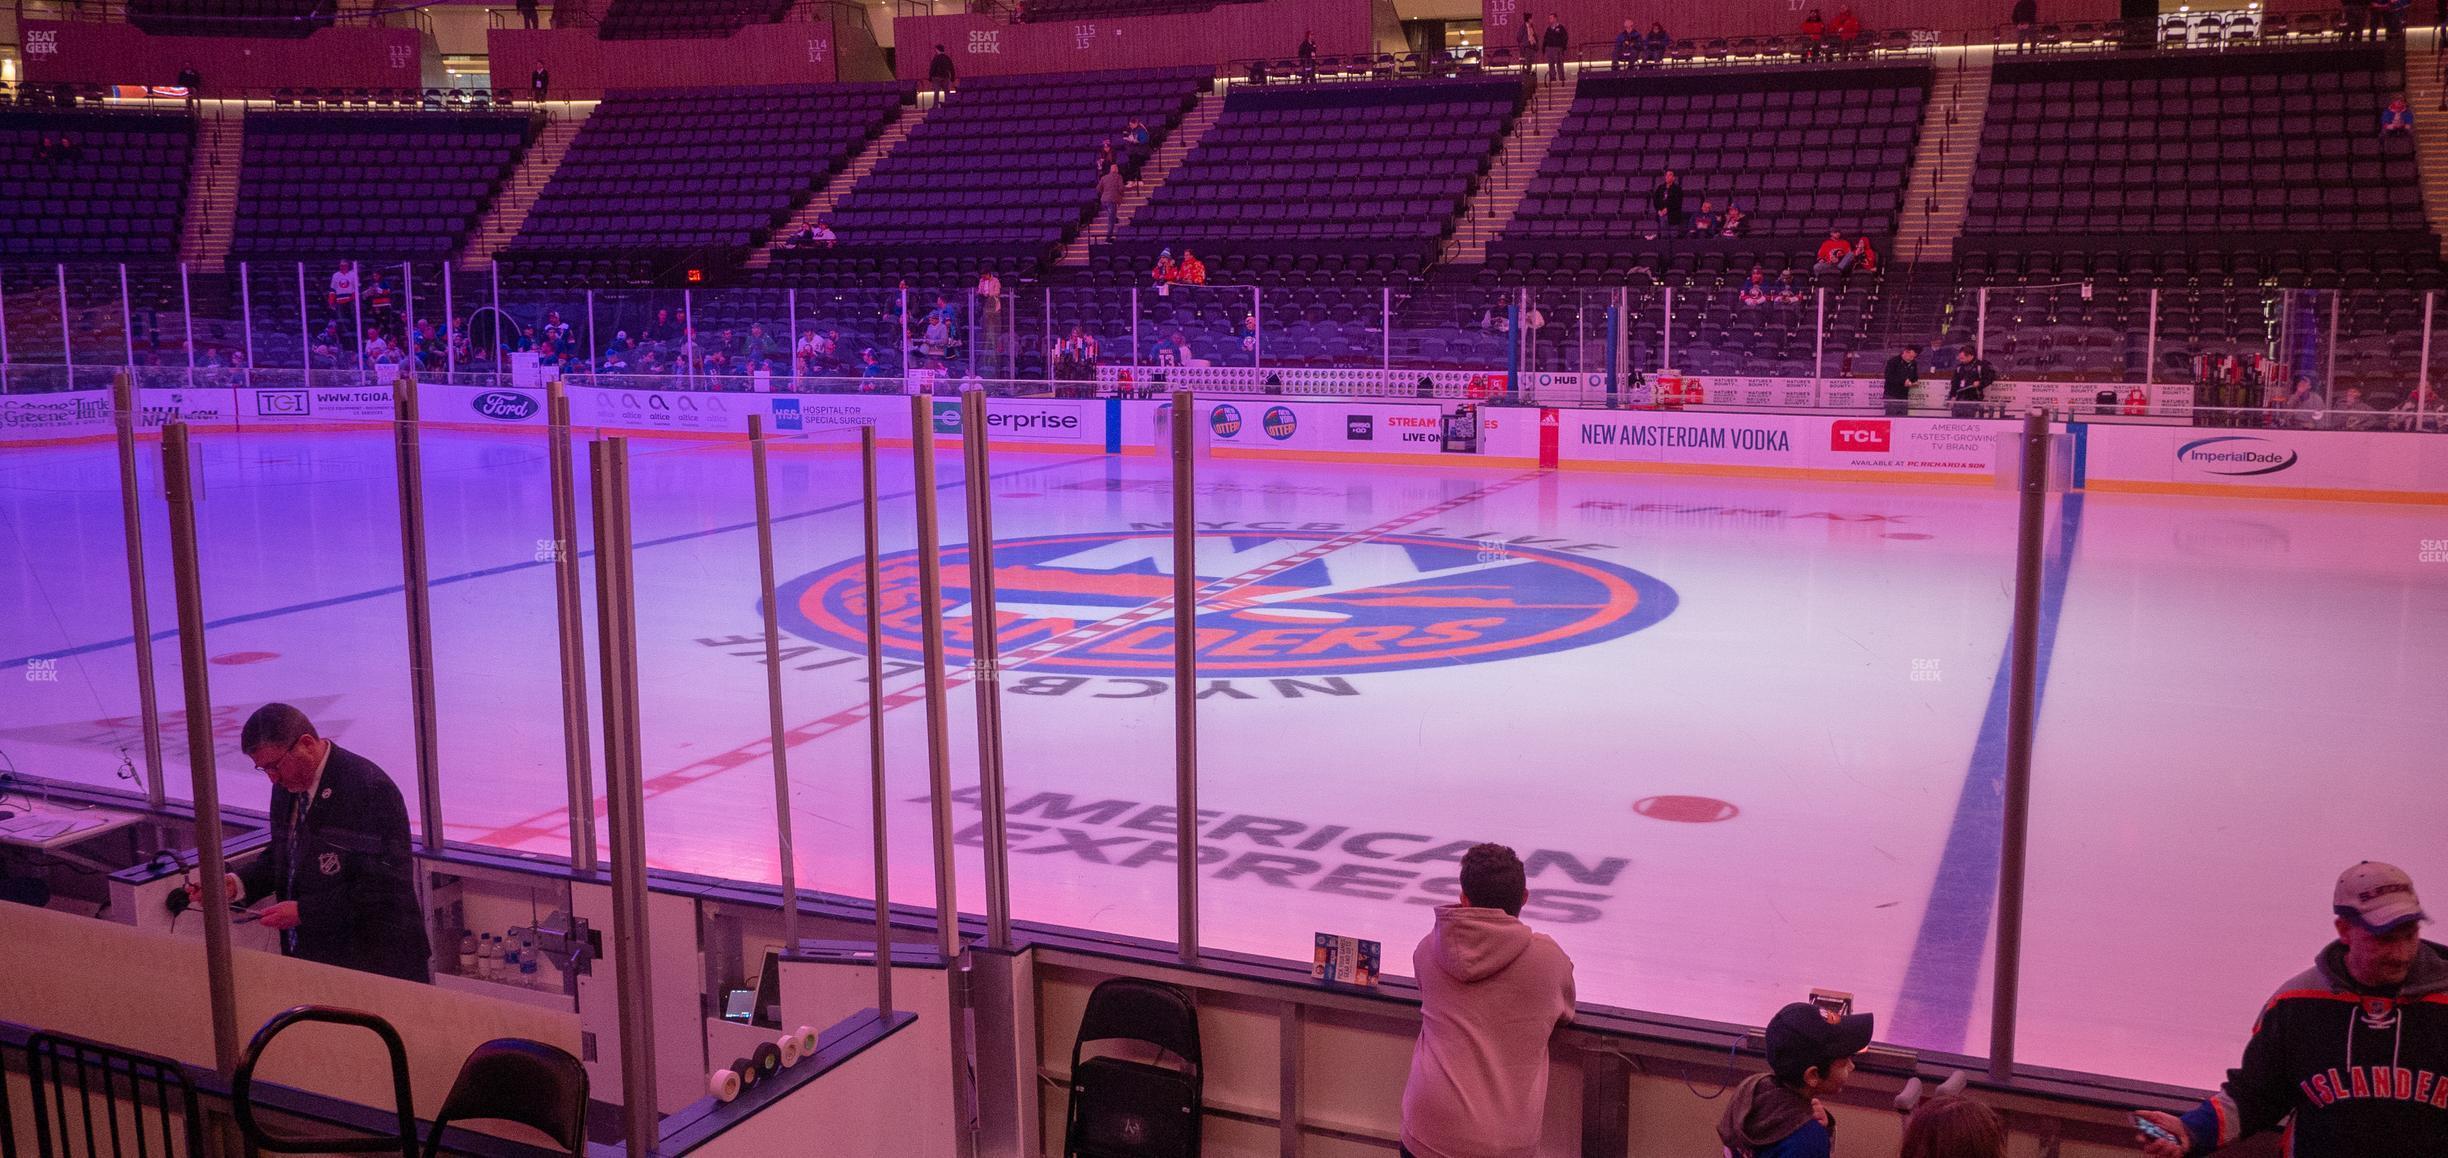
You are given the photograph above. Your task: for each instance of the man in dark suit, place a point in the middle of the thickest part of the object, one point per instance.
(339, 862)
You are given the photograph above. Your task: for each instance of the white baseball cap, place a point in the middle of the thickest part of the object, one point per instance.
(2377, 896)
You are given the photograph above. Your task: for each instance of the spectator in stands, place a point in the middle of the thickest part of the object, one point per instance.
(941, 76)
(1814, 35)
(1780, 1114)
(555, 329)
(1865, 258)
(1249, 337)
(1492, 992)
(1903, 373)
(1627, 46)
(527, 14)
(821, 234)
(2392, 16)
(1786, 292)
(1846, 30)
(2304, 404)
(1526, 40)
(1308, 55)
(1666, 204)
(539, 82)
(2358, 15)
(1968, 388)
(1136, 134)
(1657, 42)
(1953, 1126)
(1705, 222)
(2026, 19)
(1191, 271)
(1109, 198)
(664, 328)
(616, 359)
(2397, 119)
(524, 341)
(1165, 273)
(2421, 411)
(2354, 413)
(2370, 1006)
(870, 368)
(192, 81)
(1755, 289)
(1075, 356)
(1835, 255)
(1735, 223)
(1556, 42)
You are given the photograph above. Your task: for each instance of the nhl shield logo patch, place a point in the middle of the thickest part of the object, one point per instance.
(329, 863)
(2379, 1013)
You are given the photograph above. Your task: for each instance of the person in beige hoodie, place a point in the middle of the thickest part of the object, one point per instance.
(1491, 993)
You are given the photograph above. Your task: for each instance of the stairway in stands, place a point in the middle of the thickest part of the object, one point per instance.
(821, 204)
(1160, 165)
(2424, 87)
(1940, 184)
(1500, 191)
(517, 194)
(211, 212)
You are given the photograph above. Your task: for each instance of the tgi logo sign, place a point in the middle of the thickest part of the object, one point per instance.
(986, 42)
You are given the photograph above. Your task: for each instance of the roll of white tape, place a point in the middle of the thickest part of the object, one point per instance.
(789, 1045)
(807, 1041)
(723, 1084)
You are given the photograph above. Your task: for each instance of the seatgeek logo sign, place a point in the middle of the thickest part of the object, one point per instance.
(1281, 602)
(2235, 455)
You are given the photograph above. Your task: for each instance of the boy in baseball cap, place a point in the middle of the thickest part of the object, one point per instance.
(1778, 1114)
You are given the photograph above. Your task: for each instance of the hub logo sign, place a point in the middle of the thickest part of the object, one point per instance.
(504, 405)
(2235, 455)
(1860, 435)
(1225, 421)
(1280, 604)
(1280, 422)
(1360, 427)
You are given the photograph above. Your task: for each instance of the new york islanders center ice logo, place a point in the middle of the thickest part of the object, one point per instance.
(1272, 603)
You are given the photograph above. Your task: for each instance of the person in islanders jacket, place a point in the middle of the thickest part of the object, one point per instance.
(1491, 993)
(339, 863)
(2354, 1050)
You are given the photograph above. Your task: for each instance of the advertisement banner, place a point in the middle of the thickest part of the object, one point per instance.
(1262, 425)
(2197, 457)
(1666, 436)
(41, 417)
(1918, 444)
(323, 404)
(208, 407)
(1028, 420)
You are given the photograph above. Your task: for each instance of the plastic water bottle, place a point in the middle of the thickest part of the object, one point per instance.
(467, 955)
(527, 956)
(488, 956)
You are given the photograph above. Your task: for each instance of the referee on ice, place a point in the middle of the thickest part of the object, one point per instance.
(339, 864)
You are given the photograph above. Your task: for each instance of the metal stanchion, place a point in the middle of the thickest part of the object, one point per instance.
(2022, 717)
(124, 418)
(417, 599)
(570, 613)
(931, 629)
(187, 330)
(780, 746)
(875, 716)
(127, 318)
(4, 350)
(1185, 673)
(305, 331)
(188, 584)
(59, 273)
(985, 668)
(625, 798)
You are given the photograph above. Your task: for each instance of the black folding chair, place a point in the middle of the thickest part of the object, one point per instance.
(515, 1080)
(97, 1101)
(1131, 1109)
(242, 1088)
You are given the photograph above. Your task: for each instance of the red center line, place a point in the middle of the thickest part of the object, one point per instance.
(554, 823)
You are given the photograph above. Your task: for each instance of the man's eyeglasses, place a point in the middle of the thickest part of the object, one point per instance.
(265, 767)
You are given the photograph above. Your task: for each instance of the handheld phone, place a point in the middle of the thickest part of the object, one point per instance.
(2153, 1131)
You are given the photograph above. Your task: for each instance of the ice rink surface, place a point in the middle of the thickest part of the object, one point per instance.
(1749, 736)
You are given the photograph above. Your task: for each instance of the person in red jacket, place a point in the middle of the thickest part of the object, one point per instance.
(1846, 30)
(1814, 35)
(1835, 255)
